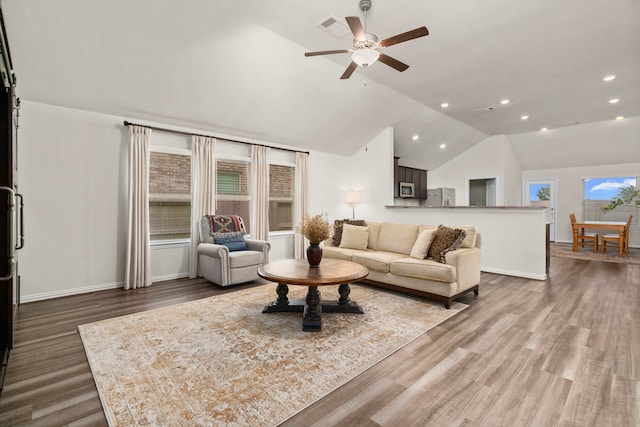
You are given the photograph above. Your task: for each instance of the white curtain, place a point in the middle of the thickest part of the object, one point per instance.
(138, 274)
(260, 192)
(302, 199)
(203, 198)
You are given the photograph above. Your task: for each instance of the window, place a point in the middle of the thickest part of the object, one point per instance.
(281, 180)
(232, 189)
(169, 196)
(599, 192)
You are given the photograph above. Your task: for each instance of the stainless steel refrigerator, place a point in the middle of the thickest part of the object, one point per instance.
(441, 197)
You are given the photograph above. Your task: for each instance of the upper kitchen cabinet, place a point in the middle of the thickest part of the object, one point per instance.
(418, 177)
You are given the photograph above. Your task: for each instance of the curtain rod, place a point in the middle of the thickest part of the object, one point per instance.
(180, 132)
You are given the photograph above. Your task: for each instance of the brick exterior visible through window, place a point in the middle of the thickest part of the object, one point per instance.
(281, 189)
(169, 196)
(232, 198)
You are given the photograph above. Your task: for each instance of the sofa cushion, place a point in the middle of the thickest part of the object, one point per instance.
(421, 246)
(240, 259)
(337, 228)
(423, 269)
(354, 237)
(470, 238)
(397, 238)
(446, 239)
(339, 253)
(234, 240)
(376, 260)
(374, 234)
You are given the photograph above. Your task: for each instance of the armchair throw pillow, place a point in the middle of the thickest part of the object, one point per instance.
(234, 240)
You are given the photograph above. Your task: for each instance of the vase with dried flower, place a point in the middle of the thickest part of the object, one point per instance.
(315, 228)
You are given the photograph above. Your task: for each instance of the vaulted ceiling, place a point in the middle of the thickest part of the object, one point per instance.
(239, 67)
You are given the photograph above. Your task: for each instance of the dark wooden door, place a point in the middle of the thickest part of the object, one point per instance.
(8, 280)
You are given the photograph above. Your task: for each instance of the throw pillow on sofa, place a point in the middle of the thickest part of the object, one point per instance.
(422, 244)
(234, 240)
(337, 228)
(354, 237)
(445, 240)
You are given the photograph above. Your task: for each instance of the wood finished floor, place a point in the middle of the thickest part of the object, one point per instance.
(561, 352)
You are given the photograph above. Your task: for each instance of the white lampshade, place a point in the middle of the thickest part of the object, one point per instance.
(352, 197)
(365, 57)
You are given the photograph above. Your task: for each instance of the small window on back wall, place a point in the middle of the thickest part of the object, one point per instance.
(599, 192)
(169, 196)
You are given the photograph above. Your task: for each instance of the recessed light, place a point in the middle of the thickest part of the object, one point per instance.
(504, 101)
(620, 118)
(609, 77)
(525, 117)
(443, 146)
(614, 101)
(415, 137)
(544, 129)
(444, 104)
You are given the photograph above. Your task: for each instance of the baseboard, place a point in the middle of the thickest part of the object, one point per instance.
(93, 288)
(515, 273)
(169, 277)
(68, 292)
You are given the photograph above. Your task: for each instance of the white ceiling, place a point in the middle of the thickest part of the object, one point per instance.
(239, 67)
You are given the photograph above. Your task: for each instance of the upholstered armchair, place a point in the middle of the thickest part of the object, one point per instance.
(225, 256)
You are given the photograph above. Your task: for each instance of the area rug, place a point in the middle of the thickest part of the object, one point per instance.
(221, 361)
(565, 250)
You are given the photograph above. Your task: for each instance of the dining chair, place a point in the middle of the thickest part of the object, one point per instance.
(582, 236)
(615, 237)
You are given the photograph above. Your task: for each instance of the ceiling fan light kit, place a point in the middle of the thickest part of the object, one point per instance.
(366, 47)
(365, 57)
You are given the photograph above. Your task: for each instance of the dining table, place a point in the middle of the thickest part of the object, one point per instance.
(620, 226)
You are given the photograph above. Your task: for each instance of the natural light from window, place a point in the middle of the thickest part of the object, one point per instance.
(599, 192)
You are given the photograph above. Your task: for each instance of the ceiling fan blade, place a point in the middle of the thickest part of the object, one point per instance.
(356, 28)
(392, 62)
(350, 69)
(409, 35)
(325, 52)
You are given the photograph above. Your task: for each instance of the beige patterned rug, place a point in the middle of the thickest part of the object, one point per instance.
(565, 250)
(221, 361)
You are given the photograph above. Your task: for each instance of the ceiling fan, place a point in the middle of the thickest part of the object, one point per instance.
(366, 46)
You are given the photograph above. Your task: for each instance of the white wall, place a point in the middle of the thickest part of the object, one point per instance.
(491, 158)
(329, 177)
(72, 173)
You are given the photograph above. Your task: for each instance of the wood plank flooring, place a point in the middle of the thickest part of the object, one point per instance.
(560, 352)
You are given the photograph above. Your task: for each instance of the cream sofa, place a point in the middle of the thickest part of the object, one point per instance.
(387, 256)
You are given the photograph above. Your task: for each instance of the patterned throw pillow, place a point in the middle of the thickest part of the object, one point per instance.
(226, 223)
(234, 240)
(337, 228)
(446, 240)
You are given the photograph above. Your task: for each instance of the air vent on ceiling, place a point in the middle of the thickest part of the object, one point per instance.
(484, 109)
(335, 27)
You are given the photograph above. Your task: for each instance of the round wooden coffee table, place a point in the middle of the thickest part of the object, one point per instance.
(297, 272)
